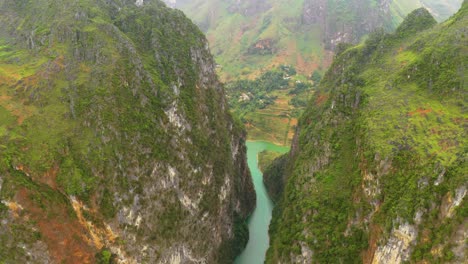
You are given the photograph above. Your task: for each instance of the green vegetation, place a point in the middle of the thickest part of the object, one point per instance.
(265, 158)
(273, 175)
(265, 34)
(382, 139)
(104, 257)
(246, 96)
(270, 104)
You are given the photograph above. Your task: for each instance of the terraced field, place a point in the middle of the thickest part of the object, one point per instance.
(277, 122)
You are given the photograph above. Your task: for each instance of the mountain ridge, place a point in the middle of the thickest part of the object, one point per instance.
(377, 169)
(248, 37)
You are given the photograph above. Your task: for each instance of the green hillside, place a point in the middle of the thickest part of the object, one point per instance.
(250, 36)
(378, 167)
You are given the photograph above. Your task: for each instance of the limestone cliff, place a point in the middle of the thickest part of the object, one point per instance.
(116, 143)
(377, 172)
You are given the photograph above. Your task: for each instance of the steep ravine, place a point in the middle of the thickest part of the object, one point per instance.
(377, 171)
(116, 143)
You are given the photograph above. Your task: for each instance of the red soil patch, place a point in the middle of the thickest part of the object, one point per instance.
(447, 144)
(282, 102)
(284, 120)
(211, 38)
(291, 130)
(50, 177)
(7, 80)
(306, 65)
(4, 98)
(368, 255)
(435, 131)
(420, 111)
(460, 120)
(33, 80)
(426, 235)
(23, 169)
(293, 122)
(321, 98)
(65, 237)
(16, 109)
(59, 61)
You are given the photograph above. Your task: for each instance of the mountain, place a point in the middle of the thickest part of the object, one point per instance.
(378, 166)
(116, 143)
(441, 10)
(250, 36)
(256, 41)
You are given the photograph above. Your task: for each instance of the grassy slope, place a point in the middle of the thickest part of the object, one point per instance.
(265, 158)
(231, 33)
(388, 117)
(231, 50)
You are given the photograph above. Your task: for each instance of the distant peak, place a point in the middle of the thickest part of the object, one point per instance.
(418, 20)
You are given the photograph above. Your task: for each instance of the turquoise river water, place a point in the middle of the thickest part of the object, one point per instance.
(259, 221)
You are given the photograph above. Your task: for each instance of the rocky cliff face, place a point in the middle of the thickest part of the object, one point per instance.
(115, 138)
(346, 21)
(377, 173)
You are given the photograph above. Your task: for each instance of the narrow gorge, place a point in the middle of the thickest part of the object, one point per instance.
(319, 131)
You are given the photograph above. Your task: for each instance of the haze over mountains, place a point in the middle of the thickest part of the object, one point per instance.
(250, 36)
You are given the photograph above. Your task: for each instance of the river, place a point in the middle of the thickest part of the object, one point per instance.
(259, 221)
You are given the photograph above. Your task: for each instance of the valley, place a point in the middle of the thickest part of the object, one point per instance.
(233, 131)
(270, 104)
(251, 38)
